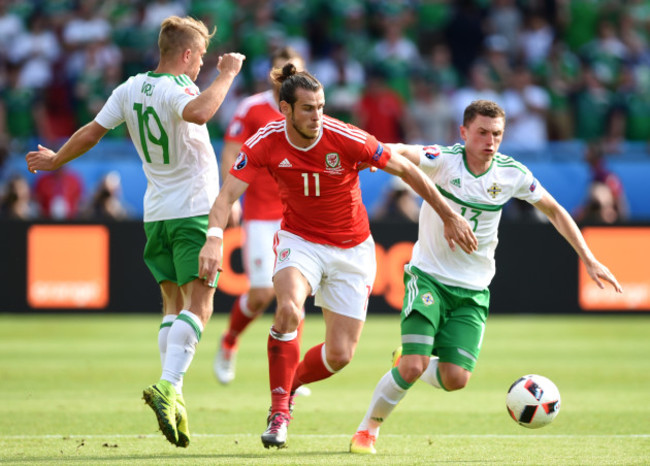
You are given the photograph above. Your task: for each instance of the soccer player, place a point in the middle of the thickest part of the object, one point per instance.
(261, 215)
(166, 114)
(446, 303)
(324, 246)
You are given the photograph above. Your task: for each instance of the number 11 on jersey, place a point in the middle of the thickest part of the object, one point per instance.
(316, 176)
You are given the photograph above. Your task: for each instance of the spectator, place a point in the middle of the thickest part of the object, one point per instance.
(600, 206)
(480, 87)
(605, 53)
(526, 106)
(381, 111)
(600, 174)
(400, 203)
(35, 51)
(506, 20)
(465, 34)
(430, 114)
(59, 193)
(106, 203)
(16, 202)
(592, 107)
(535, 39)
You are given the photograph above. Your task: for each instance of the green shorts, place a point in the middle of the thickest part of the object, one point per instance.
(173, 246)
(446, 321)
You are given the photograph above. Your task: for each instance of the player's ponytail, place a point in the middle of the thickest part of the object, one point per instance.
(288, 79)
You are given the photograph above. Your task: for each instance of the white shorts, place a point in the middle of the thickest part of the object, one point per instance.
(341, 279)
(257, 252)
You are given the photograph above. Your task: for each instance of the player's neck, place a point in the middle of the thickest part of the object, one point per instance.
(477, 165)
(166, 67)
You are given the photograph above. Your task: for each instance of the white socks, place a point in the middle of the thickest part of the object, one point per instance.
(430, 374)
(384, 399)
(182, 339)
(162, 336)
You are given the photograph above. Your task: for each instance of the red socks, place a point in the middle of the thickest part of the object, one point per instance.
(284, 355)
(238, 322)
(312, 368)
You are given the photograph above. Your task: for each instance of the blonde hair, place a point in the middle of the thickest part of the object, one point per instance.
(179, 34)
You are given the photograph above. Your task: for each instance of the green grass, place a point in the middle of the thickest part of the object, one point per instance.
(71, 392)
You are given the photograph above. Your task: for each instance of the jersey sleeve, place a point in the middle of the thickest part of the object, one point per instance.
(529, 189)
(430, 158)
(375, 153)
(178, 97)
(111, 116)
(246, 165)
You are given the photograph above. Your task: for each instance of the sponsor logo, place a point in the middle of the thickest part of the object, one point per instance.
(242, 160)
(378, 152)
(431, 152)
(427, 299)
(279, 391)
(494, 190)
(455, 182)
(284, 254)
(333, 160)
(285, 164)
(533, 186)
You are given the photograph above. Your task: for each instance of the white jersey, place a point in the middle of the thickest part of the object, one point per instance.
(177, 156)
(479, 199)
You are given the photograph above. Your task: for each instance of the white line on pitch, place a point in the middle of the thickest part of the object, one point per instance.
(505, 436)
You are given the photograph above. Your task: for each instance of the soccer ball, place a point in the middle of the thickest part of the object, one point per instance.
(533, 401)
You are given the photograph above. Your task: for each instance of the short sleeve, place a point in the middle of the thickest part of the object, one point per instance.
(111, 116)
(529, 189)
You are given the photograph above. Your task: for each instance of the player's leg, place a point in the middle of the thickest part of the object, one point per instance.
(458, 342)
(158, 256)
(422, 308)
(343, 296)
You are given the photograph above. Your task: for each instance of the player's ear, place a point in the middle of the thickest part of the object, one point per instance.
(285, 108)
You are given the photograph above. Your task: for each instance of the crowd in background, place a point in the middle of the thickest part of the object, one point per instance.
(402, 70)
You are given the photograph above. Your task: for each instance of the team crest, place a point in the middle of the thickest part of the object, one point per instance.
(284, 254)
(333, 160)
(431, 152)
(494, 190)
(427, 299)
(241, 161)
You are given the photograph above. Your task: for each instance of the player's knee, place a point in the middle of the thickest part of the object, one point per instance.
(287, 317)
(338, 358)
(455, 379)
(411, 368)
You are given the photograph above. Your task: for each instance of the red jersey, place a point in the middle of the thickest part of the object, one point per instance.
(319, 184)
(262, 198)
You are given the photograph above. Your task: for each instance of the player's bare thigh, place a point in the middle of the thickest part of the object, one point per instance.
(342, 335)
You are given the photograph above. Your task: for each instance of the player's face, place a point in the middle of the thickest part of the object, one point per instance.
(195, 62)
(483, 137)
(306, 117)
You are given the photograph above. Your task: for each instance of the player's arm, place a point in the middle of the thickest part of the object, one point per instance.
(565, 225)
(201, 109)
(457, 230)
(408, 151)
(228, 157)
(79, 143)
(211, 257)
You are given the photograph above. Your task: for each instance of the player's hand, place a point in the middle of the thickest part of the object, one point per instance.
(459, 232)
(598, 272)
(364, 165)
(210, 259)
(41, 159)
(230, 63)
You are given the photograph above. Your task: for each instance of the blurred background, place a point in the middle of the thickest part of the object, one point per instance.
(572, 76)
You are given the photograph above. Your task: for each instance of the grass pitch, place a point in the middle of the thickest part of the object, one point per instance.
(71, 389)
